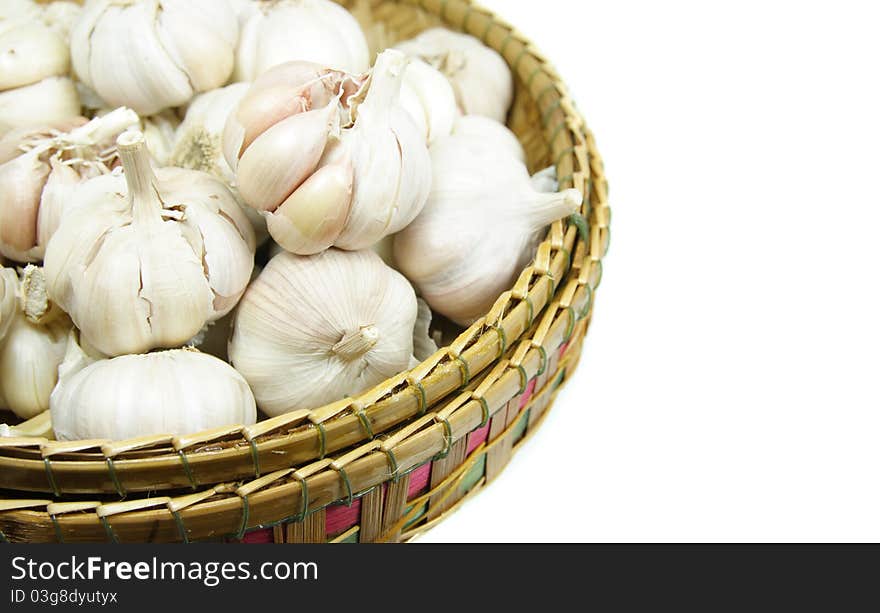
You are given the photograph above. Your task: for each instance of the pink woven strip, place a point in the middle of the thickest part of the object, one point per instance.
(418, 480)
(341, 518)
(259, 537)
(527, 395)
(477, 438)
(563, 349)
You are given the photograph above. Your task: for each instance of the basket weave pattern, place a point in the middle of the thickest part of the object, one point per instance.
(388, 463)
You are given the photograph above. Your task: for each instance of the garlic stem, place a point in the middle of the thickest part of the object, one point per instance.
(547, 208)
(384, 83)
(355, 344)
(34, 299)
(102, 128)
(139, 177)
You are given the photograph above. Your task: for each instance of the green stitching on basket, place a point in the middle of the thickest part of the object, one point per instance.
(502, 338)
(503, 48)
(345, 480)
(486, 412)
(395, 467)
(448, 438)
(565, 152)
(58, 536)
(465, 371)
(588, 303)
(519, 58)
(556, 132)
(3, 538)
(112, 469)
(544, 360)
(531, 309)
(187, 469)
(304, 505)
(180, 527)
(544, 91)
(322, 440)
(489, 25)
(109, 530)
(523, 380)
(365, 423)
(572, 320)
(255, 457)
(421, 396)
(566, 179)
(51, 477)
(245, 516)
(583, 228)
(531, 78)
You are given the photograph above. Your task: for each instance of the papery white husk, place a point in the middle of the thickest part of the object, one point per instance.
(392, 169)
(479, 228)
(428, 97)
(481, 79)
(198, 143)
(29, 53)
(31, 349)
(143, 260)
(485, 130)
(277, 31)
(52, 100)
(38, 170)
(176, 392)
(159, 133)
(311, 330)
(154, 54)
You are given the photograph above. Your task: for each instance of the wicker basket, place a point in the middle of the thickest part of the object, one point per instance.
(388, 463)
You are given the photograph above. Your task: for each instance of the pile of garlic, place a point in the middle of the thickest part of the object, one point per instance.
(148, 149)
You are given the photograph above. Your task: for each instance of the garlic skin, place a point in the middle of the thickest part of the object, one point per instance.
(198, 143)
(176, 392)
(8, 299)
(34, 63)
(311, 330)
(485, 130)
(274, 142)
(144, 260)
(423, 345)
(38, 169)
(479, 228)
(32, 347)
(277, 31)
(429, 99)
(159, 134)
(481, 79)
(60, 15)
(320, 185)
(153, 54)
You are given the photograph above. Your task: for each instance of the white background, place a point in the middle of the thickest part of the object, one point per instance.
(729, 386)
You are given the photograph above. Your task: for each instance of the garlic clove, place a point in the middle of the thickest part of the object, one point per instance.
(429, 99)
(62, 180)
(53, 99)
(312, 217)
(8, 299)
(190, 47)
(23, 179)
(29, 53)
(484, 130)
(283, 157)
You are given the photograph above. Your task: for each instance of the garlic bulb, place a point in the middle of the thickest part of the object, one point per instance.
(35, 184)
(313, 329)
(318, 185)
(159, 134)
(60, 15)
(8, 299)
(480, 77)
(277, 31)
(34, 62)
(485, 130)
(143, 260)
(32, 347)
(176, 392)
(198, 143)
(153, 54)
(477, 231)
(428, 97)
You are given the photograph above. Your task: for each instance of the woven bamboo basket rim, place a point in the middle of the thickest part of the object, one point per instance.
(553, 293)
(291, 495)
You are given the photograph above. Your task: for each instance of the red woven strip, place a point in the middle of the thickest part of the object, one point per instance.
(418, 480)
(259, 537)
(527, 395)
(563, 349)
(477, 438)
(340, 517)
